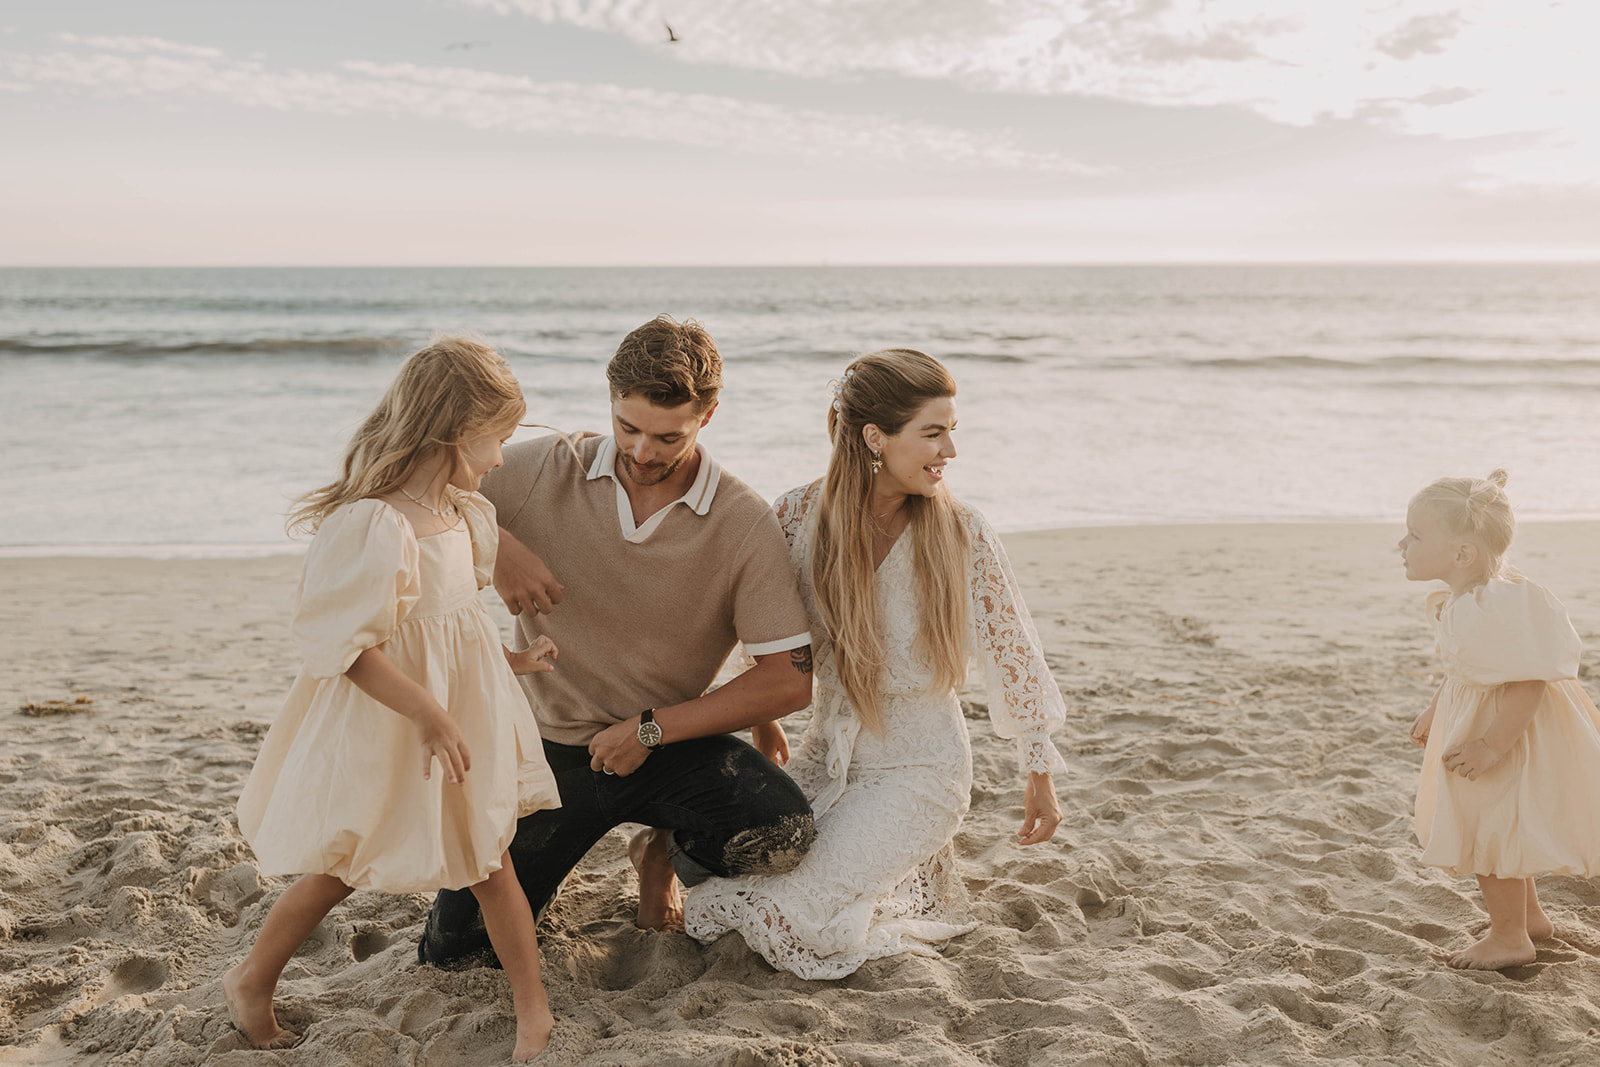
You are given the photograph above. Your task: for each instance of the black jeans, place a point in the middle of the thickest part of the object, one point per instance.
(730, 809)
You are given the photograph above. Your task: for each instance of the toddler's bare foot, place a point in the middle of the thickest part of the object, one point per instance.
(660, 903)
(251, 1012)
(1493, 954)
(532, 1036)
(1540, 927)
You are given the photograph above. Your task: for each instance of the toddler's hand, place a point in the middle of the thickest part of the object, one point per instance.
(1470, 758)
(1420, 728)
(536, 658)
(441, 740)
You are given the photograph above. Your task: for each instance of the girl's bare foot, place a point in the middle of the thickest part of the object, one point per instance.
(1493, 954)
(1539, 925)
(660, 903)
(251, 1012)
(532, 1036)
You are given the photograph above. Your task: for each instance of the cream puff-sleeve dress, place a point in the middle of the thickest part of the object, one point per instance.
(337, 787)
(1537, 811)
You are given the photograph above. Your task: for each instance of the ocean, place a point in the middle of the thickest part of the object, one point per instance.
(178, 411)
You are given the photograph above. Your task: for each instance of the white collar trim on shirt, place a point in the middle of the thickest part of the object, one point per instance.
(697, 497)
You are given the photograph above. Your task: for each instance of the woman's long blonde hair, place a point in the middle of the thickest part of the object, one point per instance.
(885, 389)
(454, 389)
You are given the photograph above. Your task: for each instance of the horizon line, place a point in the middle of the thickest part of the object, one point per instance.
(1587, 259)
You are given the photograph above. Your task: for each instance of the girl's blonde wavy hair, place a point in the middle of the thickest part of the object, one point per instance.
(886, 389)
(453, 389)
(1477, 508)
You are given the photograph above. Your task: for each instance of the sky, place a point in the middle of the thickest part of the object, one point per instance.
(557, 132)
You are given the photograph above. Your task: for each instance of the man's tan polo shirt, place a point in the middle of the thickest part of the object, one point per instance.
(650, 612)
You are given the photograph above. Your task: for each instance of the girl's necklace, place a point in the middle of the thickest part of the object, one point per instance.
(437, 513)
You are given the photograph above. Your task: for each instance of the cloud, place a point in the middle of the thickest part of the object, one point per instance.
(142, 44)
(147, 66)
(1424, 35)
(1447, 68)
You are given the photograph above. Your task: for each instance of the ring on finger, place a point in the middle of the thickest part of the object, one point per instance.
(608, 770)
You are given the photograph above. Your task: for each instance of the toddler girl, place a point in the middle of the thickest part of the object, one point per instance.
(1511, 776)
(403, 666)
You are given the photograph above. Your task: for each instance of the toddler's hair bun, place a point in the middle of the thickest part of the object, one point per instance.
(1498, 476)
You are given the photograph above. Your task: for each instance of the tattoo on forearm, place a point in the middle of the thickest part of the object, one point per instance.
(801, 659)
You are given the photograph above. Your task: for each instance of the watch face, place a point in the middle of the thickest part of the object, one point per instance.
(649, 734)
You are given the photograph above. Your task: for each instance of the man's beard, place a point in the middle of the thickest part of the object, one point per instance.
(654, 475)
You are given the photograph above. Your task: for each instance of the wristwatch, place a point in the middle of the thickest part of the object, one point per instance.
(649, 729)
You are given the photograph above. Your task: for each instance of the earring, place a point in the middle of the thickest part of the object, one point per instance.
(877, 463)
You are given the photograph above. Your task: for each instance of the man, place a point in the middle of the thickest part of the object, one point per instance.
(665, 562)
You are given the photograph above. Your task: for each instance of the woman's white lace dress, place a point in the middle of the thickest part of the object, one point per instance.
(881, 878)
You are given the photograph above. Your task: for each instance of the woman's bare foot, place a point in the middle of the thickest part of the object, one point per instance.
(1493, 954)
(532, 1036)
(251, 1012)
(660, 903)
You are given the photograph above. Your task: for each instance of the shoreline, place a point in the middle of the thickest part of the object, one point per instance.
(222, 550)
(1236, 879)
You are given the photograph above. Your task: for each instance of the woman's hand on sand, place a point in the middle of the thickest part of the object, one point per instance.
(536, 658)
(770, 740)
(441, 740)
(1041, 813)
(1470, 758)
(1420, 728)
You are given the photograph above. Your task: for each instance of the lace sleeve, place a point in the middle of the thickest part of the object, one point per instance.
(791, 509)
(1024, 701)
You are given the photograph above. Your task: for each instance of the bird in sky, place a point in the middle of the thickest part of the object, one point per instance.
(672, 38)
(464, 45)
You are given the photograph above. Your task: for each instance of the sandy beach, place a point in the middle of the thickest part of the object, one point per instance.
(1236, 880)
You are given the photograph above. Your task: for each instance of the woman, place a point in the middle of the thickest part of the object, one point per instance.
(903, 583)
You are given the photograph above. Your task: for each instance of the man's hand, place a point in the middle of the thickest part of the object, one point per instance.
(1041, 813)
(536, 658)
(616, 749)
(522, 579)
(1470, 758)
(770, 740)
(1420, 728)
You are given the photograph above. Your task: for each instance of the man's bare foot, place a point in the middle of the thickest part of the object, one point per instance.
(1493, 954)
(660, 903)
(532, 1037)
(251, 1012)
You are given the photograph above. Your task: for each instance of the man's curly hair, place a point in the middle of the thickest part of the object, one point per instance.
(669, 363)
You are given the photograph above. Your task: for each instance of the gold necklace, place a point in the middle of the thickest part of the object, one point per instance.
(437, 513)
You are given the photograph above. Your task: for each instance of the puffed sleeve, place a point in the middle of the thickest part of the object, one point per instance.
(484, 529)
(1511, 631)
(359, 581)
(1024, 701)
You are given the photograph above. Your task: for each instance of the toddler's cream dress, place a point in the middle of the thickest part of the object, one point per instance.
(1537, 811)
(337, 787)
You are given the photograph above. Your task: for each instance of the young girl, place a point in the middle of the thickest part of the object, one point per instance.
(403, 666)
(1511, 777)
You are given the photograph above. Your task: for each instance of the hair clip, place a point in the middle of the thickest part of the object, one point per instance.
(836, 387)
